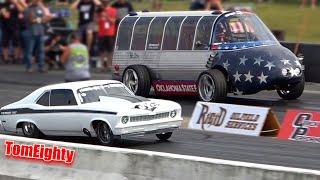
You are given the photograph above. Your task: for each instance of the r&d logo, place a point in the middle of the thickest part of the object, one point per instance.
(302, 123)
(211, 118)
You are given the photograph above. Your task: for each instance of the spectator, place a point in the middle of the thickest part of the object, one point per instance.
(106, 17)
(198, 5)
(75, 57)
(157, 5)
(11, 13)
(86, 19)
(34, 36)
(54, 47)
(123, 8)
(313, 3)
(214, 5)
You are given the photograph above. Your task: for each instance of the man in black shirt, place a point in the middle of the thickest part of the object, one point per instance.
(123, 8)
(86, 24)
(11, 14)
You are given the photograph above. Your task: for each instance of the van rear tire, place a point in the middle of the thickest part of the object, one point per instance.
(212, 86)
(137, 79)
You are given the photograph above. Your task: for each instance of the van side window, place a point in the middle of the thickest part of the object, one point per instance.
(140, 33)
(44, 99)
(187, 33)
(171, 33)
(155, 33)
(125, 33)
(203, 34)
(62, 97)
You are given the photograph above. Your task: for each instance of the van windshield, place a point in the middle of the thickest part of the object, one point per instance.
(243, 28)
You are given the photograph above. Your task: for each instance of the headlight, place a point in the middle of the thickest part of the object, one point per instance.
(173, 114)
(285, 72)
(125, 119)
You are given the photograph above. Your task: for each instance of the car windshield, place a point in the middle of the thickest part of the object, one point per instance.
(92, 93)
(240, 28)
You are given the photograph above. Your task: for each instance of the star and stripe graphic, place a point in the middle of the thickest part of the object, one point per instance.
(253, 68)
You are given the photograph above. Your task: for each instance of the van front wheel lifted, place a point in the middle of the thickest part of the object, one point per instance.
(212, 86)
(137, 79)
(291, 91)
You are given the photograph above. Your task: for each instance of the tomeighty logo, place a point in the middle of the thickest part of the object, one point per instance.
(39, 152)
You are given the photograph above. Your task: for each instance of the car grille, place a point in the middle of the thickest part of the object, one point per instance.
(149, 117)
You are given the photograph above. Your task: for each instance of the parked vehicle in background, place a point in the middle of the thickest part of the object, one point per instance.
(205, 53)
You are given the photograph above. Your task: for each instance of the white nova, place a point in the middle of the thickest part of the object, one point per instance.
(104, 109)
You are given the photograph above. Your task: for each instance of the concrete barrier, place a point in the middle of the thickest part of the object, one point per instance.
(98, 162)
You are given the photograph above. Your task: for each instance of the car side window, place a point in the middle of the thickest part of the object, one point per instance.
(125, 33)
(187, 33)
(171, 33)
(140, 33)
(155, 33)
(203, 33)
(44, 99)
(62, 97)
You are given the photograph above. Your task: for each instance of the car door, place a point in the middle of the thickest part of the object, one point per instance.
(61, 117)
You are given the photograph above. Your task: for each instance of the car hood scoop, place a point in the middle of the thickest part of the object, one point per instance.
(132, 102)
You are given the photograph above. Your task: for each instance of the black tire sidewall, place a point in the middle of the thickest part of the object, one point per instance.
(144, 81)
(165, 136)
(110, 143)
(295, 92)
(36, 133)
(220, 81)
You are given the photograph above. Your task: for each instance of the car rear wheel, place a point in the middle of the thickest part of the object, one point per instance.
(291, 91)
(212, 86)
(30, 130)
(104, 134)
(164, 136)
(137, 79)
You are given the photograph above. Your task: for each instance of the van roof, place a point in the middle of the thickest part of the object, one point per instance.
(178, 13)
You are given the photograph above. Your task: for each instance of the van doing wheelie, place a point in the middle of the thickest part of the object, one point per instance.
(203, 53)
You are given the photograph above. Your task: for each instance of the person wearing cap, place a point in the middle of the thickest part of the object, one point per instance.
(75, 58)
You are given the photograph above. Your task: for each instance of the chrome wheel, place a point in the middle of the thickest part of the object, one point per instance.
(28, 128)
(206, 87)
(104, 133)
(131, 80)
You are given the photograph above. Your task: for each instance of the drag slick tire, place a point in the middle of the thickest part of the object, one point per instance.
(212, 86)
(30, 130)
(104, 134)
(137, 79)
(164, 136)
(292, 91)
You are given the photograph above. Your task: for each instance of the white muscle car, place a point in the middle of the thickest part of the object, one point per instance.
(104, 109)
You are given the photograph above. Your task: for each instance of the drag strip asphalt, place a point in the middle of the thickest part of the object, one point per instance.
(208, 144)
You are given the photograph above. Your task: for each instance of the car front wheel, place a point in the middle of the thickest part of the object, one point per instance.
(30, 130)
(292, 91)
(212, 86)
(104, 134)
(164, 136)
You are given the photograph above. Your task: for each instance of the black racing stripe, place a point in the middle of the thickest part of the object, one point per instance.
(32, 111)
(132, 99)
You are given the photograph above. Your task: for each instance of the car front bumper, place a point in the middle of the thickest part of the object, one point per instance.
(155, 128)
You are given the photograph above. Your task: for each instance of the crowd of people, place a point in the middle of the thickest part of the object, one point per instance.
(26, 31)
